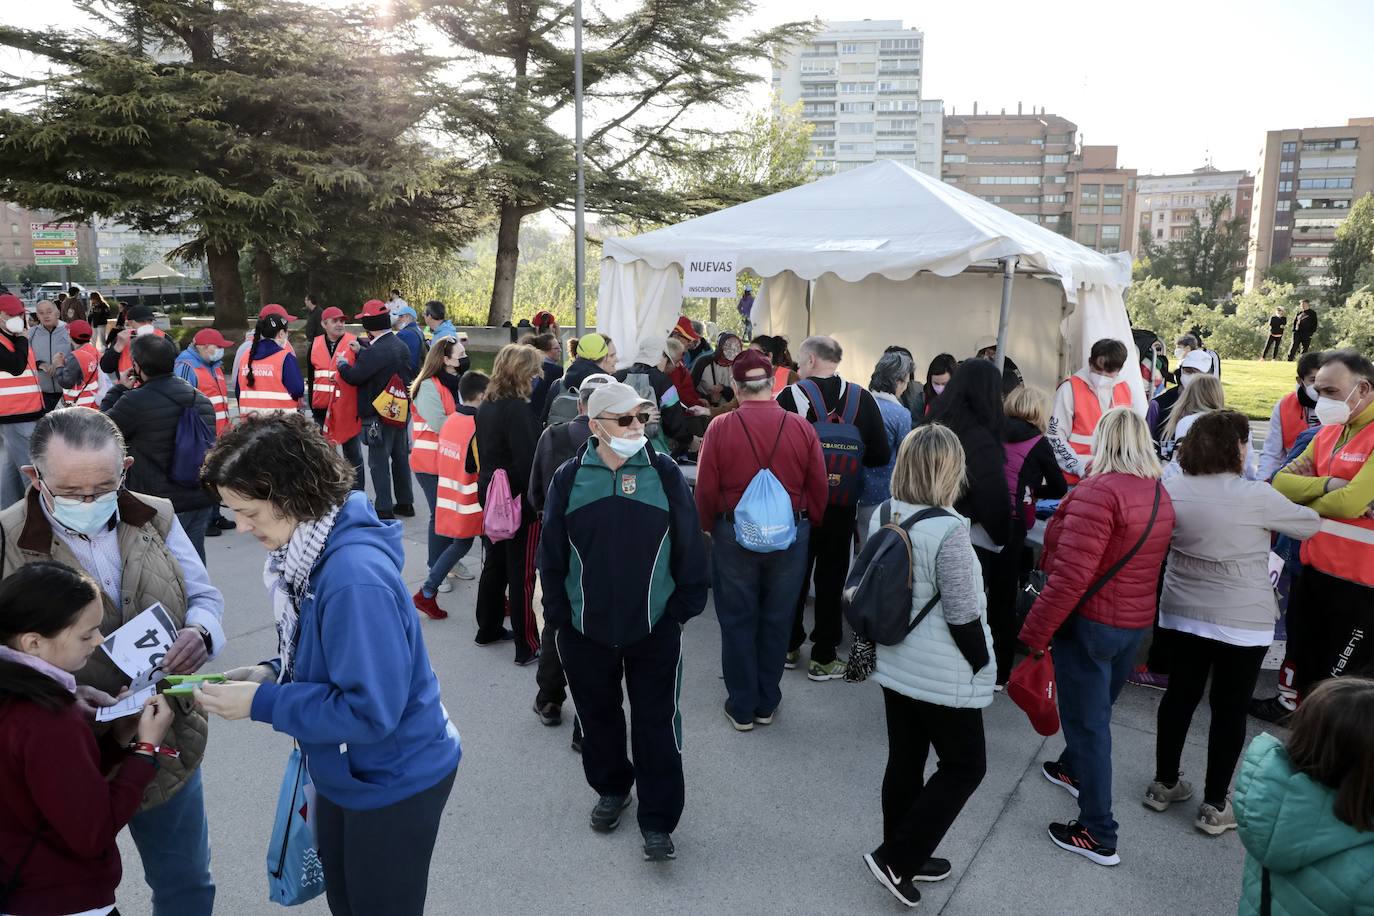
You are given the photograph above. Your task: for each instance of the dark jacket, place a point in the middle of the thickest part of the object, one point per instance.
(415, 346)
(148, 416)
(507, 433)
(1305, 324)
(553, 371)
(1095, 526)
(673, 418)
(376, 363)
(556, 445)
(1039, 475)
(986, 500)
(620, 550)
(869, 419)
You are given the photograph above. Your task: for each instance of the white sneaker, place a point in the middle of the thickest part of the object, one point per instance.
(460, 571)
(445, 587)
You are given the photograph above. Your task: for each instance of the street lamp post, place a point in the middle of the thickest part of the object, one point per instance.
(580, 226)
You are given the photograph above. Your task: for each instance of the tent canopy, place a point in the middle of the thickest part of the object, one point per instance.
(158, 272)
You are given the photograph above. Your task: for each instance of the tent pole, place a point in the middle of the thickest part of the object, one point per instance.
(808, 308)
(1008, 274)
(580, 227)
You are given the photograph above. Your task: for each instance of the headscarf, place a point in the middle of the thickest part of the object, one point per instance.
(720, 347)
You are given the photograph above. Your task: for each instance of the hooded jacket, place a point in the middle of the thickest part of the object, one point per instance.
(1317, 863)
(364, 702)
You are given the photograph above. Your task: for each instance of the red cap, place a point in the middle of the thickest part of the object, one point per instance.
(11, 305)
(684, 327)
(275, 309)
(543, 319)
(79, 330)
(331, 313)
(1032, 688)
(372, 308)
(751, 366)
(211, 338)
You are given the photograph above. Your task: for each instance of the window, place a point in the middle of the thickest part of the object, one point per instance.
(1058, 179)
(1161, 216)
(858, 68)
(896, 146)
(904, 105)
(1005, 160)
(1323, 203)
(1315, 183)
(902, 124)
(899, 85)
(855, 107)
(900, 44)
(854, 149)
(1111, 208)
(1055, 198)
(1319, 146)
(1286, 166)
(1111, 192)
(1285, 186)
(1159, 233)
(1008, 179)
(1283, 205)
(857, 47)
(856, 88)
(1288, 149)
(899, 63)
(1087, 235)
(1328, 162)
(1111, 233)
(1056, 157)
(955, 158)
(18, 249)
(1088, 193)
(855, 128)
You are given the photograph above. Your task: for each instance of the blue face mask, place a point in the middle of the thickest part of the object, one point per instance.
(85, 517)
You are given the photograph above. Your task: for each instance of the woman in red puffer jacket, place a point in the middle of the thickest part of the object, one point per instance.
(1119, 505)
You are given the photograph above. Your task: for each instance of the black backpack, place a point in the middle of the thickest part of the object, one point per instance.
(877, 594)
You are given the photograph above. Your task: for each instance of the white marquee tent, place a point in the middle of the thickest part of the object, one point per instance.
(879, 255)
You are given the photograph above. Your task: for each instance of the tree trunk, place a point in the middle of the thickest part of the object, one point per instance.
(714, 300)
(223, 264)
(266, 273)
(507, 258)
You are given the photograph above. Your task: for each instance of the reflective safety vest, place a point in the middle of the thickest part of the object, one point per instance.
(87, 390)
(126, 358)
(1087, 411)
(1344, 547)
(268, 392)
(325, 372)
(1292, 420)
(780, 379)
(341, 421)
(212, 385)
(424, 450)
(457, 513)
(20, 394)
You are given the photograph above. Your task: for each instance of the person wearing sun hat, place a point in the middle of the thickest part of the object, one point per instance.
(388, 447)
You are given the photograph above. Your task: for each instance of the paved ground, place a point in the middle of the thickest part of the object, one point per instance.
(776, 819)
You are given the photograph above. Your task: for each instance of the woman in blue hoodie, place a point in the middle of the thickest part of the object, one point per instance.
(359, 694)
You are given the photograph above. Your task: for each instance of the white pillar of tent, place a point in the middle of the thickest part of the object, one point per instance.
(1008, 274)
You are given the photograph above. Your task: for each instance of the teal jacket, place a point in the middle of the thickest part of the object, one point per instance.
(1318, 864)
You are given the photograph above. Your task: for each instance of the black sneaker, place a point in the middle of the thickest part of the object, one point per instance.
(1056, 774)
(506, 636)
(405, 510)
(223, 524)
(1271, 709)
(550, 714)
(901, 888)
(933, 870)
(1074, 837)
(524, 660)
(658, 847)
(213, 532)
(606, 813)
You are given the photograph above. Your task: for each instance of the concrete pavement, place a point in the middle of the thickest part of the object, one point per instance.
(776, 820)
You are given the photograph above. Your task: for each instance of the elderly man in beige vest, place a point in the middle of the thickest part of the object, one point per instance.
(78, 513)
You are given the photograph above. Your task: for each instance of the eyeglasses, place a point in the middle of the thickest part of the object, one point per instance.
(626, 421)
(79, 497)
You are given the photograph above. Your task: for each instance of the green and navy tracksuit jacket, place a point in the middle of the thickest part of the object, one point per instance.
(622, 549)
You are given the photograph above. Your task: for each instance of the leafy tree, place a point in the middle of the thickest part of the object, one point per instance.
(134, 258)
(1209, 255)
(1353, 249)
(1286, 272)
(255, 125)
(645, 69)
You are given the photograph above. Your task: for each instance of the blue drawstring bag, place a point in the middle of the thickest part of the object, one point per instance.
(764, 520)
(295, 873)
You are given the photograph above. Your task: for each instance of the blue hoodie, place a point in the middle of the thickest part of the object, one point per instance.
(364, 703)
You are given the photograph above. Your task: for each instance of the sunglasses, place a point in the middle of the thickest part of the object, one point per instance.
(625, 421)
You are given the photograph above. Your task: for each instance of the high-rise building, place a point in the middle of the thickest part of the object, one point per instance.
(1019, 162)
(1102, 198)
(114, 239)
(1166, 204)
(860, 87)
(1307, 179)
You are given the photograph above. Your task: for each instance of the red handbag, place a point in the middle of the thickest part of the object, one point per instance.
(1032, 688)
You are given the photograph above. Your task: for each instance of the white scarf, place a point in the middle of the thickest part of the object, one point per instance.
(287, 577)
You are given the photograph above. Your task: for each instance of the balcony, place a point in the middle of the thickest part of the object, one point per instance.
(809, 55)
(819, 92)
(915, 91)
(899, 71)
(819, 74)
(909, 132)
(822, 134)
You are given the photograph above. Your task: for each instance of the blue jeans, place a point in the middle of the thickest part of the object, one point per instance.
(195, 522)
(756, 599)
(14, 454)
(1091, 661)
(444, 552)
(173, 841)
(388, 457)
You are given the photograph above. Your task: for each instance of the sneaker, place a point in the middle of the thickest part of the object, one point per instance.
(444, 587)
(738, 725)
(606, 813)
(933, 870)
(462, 572)
(527, 660)
(404, 510)
(658, 846)
(1271, 709)
(506, 636)
(791, 659)
(765, 718)
(1213, 821)
(1056, 774)
(550, 714)
(1144, 677)
(1158, 796)
(213, 532)
(428, 606)
(830, 671)
(1074, 837)
(901, 888)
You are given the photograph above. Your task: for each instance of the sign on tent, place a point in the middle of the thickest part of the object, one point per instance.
(709, 275)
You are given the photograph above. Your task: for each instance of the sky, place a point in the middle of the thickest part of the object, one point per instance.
(1171, 83)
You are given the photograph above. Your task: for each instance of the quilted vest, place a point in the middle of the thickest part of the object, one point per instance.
(928, 665)
(150, 574)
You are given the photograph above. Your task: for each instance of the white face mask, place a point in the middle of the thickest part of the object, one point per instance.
(1102, 379)
(216, 354)
(1332, 412)
(1311, 392)
(15, 325)
(1186, 378)
(145, 330)
(1179, 353)
(624, 446)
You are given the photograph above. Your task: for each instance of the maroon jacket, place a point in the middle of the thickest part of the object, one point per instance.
(53, 784)
(1099, 521)
(726, 464)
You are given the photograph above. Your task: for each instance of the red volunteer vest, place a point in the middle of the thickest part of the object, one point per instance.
(341, 421)
(457, 514)
(84, 394)
(1344, 547)
(326, 372)
(126, 358)
(1087, 411)
(212, 385)
(1292, 420)
(424, 450)
(268, 392)
(780, 379)
(20, 394)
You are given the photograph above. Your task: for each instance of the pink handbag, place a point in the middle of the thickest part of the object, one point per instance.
(501, 513)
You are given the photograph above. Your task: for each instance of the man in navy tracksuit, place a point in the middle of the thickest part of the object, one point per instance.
(623, 566)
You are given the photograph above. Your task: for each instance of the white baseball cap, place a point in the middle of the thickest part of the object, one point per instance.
(614, 398)
(1200, 360)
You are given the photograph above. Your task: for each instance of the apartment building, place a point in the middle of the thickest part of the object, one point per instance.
(1166, 204)
(1307, 180)
(1103, 196)
(113, 239)
(1019, 162)
(860, 88)
(16, 236)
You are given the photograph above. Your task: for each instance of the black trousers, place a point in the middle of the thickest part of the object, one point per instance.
(1332, 635)
(917, 814)
(1234, 670)
(828, 556)
(651, 671)
(508, 576)
(1300, 345)
(1001, 573)
(549, 675)
(376, 862)
(1273, 343)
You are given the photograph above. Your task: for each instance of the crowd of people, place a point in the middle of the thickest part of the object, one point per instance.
(611, 489)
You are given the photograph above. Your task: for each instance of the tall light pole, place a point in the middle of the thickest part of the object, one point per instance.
(580, 224)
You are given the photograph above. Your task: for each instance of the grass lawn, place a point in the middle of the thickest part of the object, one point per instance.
(1253, 387)
(482, 360)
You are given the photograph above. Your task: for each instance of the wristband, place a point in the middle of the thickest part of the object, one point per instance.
(143, 747)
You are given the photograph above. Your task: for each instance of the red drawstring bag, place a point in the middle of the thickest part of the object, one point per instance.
(1032, 688)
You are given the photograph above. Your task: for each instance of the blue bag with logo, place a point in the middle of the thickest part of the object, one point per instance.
(764, 520)
(295, 873)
